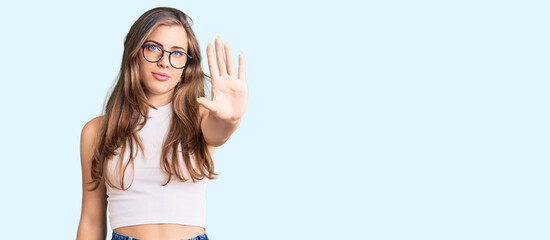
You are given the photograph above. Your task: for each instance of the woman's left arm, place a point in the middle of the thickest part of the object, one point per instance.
(229, 96)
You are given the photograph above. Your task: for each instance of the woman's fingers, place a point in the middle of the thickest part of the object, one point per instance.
(241, 67)
(219, 56)
(225, 66)
(211, 64)
(229, 60)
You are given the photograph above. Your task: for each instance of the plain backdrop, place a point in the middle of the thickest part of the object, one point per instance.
(365, 120)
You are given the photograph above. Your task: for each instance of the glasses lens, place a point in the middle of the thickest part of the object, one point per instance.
(152, 53)
(178, 59)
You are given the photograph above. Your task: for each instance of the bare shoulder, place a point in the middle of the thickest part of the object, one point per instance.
(88, 138)
(92, 126)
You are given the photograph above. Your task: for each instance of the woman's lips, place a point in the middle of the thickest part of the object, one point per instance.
(160, 76)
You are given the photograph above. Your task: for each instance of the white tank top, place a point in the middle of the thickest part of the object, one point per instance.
(147, 201)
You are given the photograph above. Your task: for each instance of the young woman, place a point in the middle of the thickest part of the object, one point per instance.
(149, 156)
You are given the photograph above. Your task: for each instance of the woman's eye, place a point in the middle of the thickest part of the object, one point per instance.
(177, 54)
(153, 48)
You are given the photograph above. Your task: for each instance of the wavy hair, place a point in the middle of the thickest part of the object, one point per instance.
(126, 111)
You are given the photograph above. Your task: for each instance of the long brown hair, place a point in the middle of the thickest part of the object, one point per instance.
(126, 111)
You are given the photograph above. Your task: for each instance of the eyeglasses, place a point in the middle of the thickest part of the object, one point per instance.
(154, 53)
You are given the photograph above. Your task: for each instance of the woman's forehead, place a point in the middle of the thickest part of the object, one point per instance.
(173, 36)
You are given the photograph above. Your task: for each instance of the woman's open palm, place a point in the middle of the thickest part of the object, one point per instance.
(229, 91)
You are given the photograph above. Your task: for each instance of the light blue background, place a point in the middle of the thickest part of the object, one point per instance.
(372, 120)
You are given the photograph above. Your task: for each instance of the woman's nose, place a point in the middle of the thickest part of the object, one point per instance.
(164, 61)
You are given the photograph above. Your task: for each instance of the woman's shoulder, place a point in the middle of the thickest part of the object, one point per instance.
(92, 127)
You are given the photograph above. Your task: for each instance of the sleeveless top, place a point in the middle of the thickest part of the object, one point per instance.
(146, 201)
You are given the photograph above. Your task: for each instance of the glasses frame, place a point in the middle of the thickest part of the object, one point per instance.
(162, 55)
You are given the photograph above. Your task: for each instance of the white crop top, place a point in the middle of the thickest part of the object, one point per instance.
(146, 201)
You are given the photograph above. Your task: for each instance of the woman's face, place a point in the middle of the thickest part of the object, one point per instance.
(159, 79)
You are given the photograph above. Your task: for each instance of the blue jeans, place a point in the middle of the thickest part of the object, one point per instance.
(118, 236)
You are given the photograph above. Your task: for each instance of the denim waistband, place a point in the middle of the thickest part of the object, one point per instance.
(118, 236)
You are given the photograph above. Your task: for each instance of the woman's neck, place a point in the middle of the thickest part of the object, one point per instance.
(159, 101)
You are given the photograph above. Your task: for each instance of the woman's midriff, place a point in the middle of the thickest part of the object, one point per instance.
(161, 231)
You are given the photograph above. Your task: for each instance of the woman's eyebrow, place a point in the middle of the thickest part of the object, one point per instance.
(162, 46)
